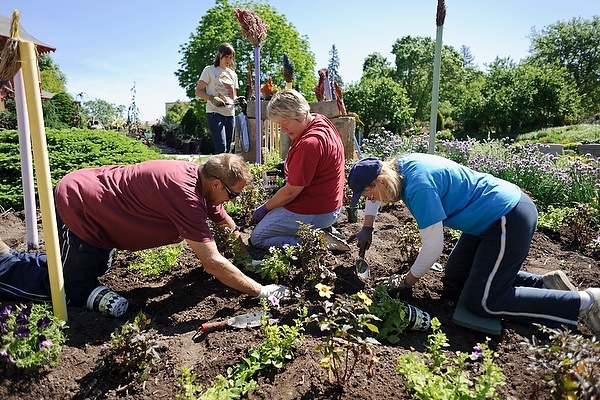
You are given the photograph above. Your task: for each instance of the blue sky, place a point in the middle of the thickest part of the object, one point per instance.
(104, 47)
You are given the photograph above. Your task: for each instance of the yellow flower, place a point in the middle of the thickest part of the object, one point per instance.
(363, 296)
(324, 291)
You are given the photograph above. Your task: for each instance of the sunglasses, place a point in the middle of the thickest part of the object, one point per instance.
(230, 193)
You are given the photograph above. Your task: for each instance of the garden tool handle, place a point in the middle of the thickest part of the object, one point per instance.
(214, 326)
(362, 250)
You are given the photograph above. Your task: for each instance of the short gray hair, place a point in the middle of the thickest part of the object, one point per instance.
(288, 103)
(229, 168)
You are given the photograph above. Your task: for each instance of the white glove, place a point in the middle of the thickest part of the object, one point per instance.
(393, 282)
(279, 291)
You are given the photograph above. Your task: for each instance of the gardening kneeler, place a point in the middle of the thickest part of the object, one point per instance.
(466, 318)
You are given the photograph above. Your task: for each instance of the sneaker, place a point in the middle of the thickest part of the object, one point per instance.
(557, 280)
(591, 316)
(107, 302)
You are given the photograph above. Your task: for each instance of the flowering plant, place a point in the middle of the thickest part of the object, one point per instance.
(30, 336)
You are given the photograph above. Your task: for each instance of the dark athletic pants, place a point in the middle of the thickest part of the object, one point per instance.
(24, 276)
(489, 267)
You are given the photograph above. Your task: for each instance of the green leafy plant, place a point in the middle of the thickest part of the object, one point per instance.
(442, 377)
(349, 325)
(157, 261)
(313, 255)
(277, 346)
(409, 240)
(279, 263)
(187, 385)
(553, 218)
(570, 363)
(580, 222)
(391, 315)
(131, 352)
(229, 246)
(234, 207)
(30, 337)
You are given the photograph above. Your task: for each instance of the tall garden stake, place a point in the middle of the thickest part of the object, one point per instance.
(439, 21)
(22, 54)
(255, 30)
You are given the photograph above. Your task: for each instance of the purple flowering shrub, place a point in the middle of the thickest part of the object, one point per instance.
(30, 337)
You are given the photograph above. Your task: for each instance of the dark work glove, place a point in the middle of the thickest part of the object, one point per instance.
(365, 237)
(259, 214)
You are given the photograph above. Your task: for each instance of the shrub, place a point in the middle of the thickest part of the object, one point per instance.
(570, 363)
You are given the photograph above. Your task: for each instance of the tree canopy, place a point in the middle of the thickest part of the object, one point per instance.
(219, 25)
(573, 45)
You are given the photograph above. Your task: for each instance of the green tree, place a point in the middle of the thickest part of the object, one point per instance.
(414, 72)
(53, 79)
(377, 66)
(64, 108)
(379, 102)
(574, 45)
(189, 124)
(333, 67)
(220, 25)
(176, 111)
(108, 114)
(527, 95)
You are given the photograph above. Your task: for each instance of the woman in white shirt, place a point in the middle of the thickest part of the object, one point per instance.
(218, 85)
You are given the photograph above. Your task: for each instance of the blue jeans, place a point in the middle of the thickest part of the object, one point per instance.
(494, 286)
(279, 226)
(221, 131)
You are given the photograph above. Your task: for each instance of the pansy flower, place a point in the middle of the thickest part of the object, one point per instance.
(44, 342)
(324, 290)
(22, 332)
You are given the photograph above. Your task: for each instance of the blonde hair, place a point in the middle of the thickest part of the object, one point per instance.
(288, 103)
(392, 189)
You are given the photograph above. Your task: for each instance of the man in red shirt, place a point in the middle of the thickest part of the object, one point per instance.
(135, 207)
(314, 171)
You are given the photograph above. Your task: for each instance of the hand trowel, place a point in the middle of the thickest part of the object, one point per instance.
(362, 268)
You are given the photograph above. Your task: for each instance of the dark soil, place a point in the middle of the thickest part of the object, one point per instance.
(180, 302)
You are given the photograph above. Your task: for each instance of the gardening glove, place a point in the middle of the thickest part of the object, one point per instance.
(259, 214)
(279, 291)
(365, 237)
(394, 282)
(217, 101)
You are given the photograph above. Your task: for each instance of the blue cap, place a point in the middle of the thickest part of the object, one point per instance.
(362, 174)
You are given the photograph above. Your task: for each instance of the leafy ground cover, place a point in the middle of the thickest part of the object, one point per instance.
(176, 304)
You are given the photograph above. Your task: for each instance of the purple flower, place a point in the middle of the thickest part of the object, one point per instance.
(44, 322)
(9, 359)
(22, 332)
(23, 317)
(5, 313)
(44, 342)
(477, 352)
(274, 301)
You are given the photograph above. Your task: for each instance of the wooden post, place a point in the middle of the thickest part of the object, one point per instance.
(42, 168)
